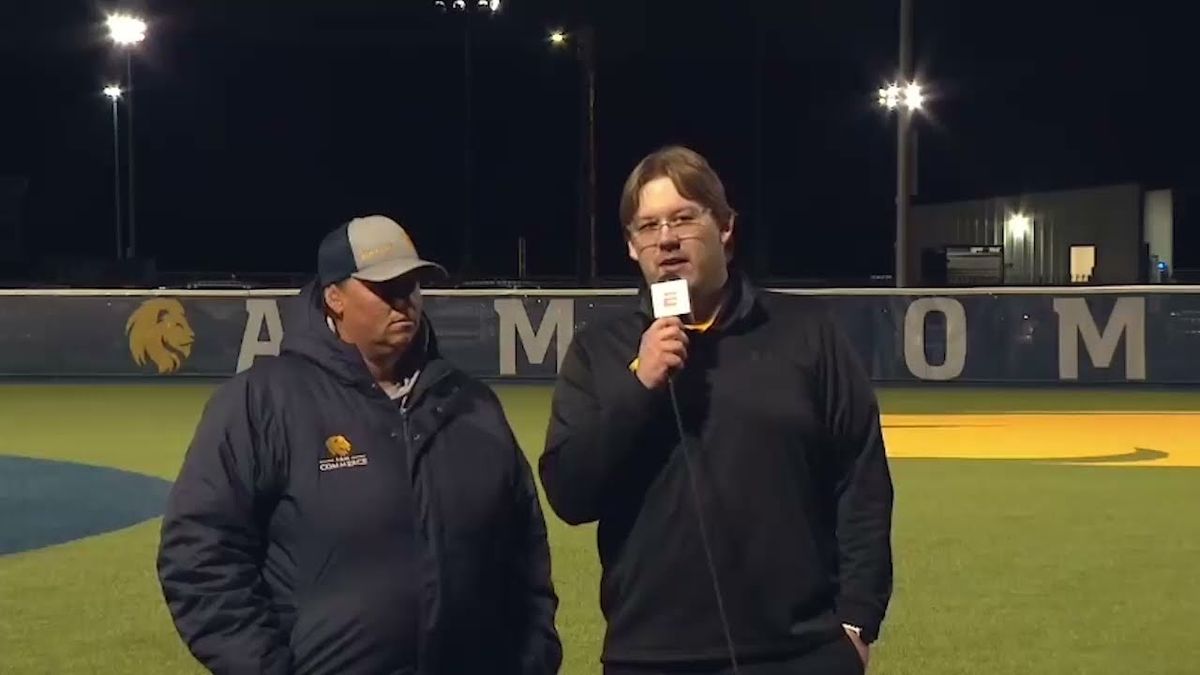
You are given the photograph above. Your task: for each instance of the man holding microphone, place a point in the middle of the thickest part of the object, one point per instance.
(733, 457)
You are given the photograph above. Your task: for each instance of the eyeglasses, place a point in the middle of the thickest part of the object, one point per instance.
(682, 223)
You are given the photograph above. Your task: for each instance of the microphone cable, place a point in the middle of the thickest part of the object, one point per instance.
(712, 567)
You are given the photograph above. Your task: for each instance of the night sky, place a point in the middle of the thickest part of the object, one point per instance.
(260, 125)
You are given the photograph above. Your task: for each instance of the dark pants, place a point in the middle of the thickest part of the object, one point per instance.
(835, 658)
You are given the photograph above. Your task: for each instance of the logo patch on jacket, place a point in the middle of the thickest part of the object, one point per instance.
(341, 454)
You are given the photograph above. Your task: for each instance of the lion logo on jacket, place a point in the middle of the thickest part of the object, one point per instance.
(338, 446)
(159, 332)
(341, 455)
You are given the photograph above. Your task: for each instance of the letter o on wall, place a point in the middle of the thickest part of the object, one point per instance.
(956, 338)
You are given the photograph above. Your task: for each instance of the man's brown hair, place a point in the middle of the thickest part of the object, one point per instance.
(691, 174)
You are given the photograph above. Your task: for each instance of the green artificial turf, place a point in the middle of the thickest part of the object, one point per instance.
(1001, 567)
(966, 399)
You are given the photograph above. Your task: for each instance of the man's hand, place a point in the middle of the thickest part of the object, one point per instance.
(864, 652)
(663, 350)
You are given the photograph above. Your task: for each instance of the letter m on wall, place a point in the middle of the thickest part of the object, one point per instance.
(558, 321)
(1075, 321)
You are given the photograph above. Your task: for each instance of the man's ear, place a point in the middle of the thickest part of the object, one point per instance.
(335, 302)
(726, 235)
(727, 229)
(633, 252)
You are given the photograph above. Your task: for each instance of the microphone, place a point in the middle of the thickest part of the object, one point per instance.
(671, 297)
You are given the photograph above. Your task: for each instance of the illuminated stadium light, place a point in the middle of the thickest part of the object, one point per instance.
(126, 29)
(910, 96)
(889, 96)
(113, 91)
(461, 6)
(913, 97)
(557, 38)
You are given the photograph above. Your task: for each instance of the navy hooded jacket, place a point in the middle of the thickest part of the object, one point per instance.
(318, 527)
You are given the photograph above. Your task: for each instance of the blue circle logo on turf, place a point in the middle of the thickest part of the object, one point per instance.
(47, 502)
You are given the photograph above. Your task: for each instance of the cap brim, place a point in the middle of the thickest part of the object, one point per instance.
(392, 269)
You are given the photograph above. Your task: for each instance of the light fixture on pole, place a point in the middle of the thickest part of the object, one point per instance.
(910, 97)
(113, 92)
(127, 31)
(914, 97)
(889, 96)
(490, 6)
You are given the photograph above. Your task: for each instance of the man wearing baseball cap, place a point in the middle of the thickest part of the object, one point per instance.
(357, 504)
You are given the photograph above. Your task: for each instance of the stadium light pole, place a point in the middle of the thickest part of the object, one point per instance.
(907, 98)
(465, 8)
(906, 95)
(584, 42)
(113, 92)
(127, 31)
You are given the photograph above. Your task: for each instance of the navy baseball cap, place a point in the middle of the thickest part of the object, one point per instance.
(372, 248)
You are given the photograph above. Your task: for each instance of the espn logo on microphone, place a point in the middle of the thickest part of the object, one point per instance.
(670, 298)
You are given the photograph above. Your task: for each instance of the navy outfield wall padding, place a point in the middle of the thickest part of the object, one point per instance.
(1044, 336)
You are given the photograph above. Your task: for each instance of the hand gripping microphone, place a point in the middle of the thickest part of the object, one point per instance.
(671, 298)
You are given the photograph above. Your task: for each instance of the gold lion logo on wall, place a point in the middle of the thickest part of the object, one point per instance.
(159, 331)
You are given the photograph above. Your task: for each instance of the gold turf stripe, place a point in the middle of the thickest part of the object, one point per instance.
(1090, 438)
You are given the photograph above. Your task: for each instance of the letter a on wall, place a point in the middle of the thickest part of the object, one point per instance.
(259, 313)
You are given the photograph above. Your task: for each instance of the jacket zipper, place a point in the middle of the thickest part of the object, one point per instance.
(421, 531)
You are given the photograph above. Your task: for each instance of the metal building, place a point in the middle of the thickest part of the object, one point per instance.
(1107, 235)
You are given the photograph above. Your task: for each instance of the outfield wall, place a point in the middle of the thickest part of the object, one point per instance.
(1142, 334)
